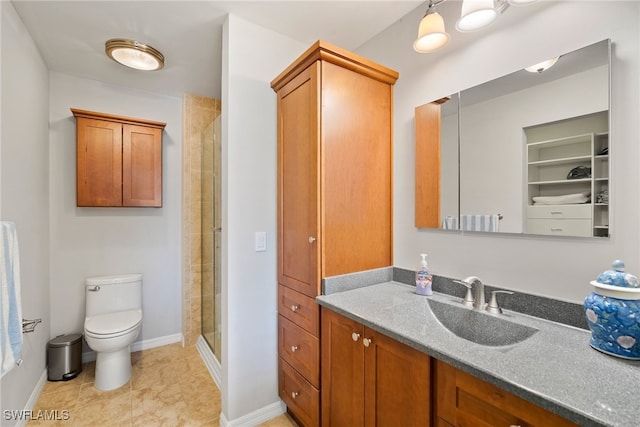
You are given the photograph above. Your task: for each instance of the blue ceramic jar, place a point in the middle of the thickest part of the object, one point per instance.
(613, 313)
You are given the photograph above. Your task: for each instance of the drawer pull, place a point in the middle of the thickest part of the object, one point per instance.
(355, 336)
(294, 394)
(294, 348)
(294, 307)
(556, 212)
(556, 229)
(366, 342)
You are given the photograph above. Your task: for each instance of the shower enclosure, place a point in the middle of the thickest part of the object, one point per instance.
(211, 236)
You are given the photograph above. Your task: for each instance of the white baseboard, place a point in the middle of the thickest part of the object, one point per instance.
(33, 398)
(256, 417)
(210, 361)
(90, 356)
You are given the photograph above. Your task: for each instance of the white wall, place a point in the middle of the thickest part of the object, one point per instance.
(561, 268)
(101, 241)
(249, 278)
(24, 172)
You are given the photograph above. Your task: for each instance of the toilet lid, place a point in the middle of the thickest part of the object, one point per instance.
(112, 323)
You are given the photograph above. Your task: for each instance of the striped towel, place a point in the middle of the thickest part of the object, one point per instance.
(10, 304)
(480, 222)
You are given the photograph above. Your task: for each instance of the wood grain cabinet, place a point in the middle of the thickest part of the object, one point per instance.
(119, 160)
(369, 379)
(334, 198)
(464, 400)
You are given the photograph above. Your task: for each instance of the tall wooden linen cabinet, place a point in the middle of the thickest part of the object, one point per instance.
(334, 198)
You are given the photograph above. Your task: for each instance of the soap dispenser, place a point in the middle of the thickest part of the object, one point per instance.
(423, 278)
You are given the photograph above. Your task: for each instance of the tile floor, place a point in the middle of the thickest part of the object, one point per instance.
(169, 386)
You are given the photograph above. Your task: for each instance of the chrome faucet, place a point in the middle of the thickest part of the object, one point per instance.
(478, 299)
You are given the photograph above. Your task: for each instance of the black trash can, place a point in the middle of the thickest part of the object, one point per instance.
(64, 357)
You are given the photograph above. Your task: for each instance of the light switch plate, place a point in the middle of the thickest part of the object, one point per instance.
(261, 241)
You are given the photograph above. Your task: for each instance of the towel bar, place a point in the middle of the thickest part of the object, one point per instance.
(29, 325)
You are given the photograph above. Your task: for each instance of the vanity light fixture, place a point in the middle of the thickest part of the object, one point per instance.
(431, 33)
(475, 15)
(542, 66)
(133, 54)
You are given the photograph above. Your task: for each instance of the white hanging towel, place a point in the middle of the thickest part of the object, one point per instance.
(10, 303)
(450, 223)
(480, 222)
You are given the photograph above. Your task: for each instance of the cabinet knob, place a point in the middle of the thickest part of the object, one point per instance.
(355, 336)
(294, 394)
(312, 239)
(366, 342)
(294, 348)
(294, 307)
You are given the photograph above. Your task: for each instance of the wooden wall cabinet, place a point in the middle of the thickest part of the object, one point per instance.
(334, 198)
(369, 379)
(119, 160)
(464, 400)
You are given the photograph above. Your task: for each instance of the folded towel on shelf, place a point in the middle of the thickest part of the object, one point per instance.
(10, 303)
(567, 199)
(450, 223)
(480, 222)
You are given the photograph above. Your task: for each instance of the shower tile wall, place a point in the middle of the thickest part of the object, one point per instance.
(198, 114)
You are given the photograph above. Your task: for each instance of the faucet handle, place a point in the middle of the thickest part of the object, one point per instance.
(468, 298)
(493, 306)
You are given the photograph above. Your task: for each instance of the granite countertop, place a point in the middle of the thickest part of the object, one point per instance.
(556, 368)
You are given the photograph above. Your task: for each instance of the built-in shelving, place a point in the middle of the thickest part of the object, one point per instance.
(549, 163)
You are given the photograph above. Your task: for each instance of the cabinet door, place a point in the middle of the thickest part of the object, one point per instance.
(99, 163)
(464, 400)
(342, 371)
(298, 183)
(356, 172)
(397, 383)
(142, 166)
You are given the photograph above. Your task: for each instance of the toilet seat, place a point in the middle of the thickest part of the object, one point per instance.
(112, 325)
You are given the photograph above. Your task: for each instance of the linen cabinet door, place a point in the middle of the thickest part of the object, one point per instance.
(342, 394)
(298, 184)
(397, 383)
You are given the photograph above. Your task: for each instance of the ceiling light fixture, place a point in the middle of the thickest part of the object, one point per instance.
(542, 66)
(133, 54)
(475, 15)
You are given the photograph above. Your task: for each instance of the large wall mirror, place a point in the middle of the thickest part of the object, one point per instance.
(533, 151)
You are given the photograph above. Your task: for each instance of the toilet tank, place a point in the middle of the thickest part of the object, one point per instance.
(107, 294)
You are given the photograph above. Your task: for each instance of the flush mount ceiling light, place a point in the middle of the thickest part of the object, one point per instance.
(542, 66)
(133, 54)
(475, 15)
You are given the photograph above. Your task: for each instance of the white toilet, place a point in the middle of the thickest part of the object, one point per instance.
(113, 321)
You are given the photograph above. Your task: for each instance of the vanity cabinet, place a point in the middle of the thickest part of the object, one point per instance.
(464, 400)
(334, 198)
(118, 161)
(369, 379)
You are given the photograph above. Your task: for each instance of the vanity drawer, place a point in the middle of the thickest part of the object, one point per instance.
(465, 400)
(559, 211)
(300, 349)
(560, 227)
(299, 308)
(302, 399)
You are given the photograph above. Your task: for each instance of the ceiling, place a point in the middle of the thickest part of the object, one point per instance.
(71, 34)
